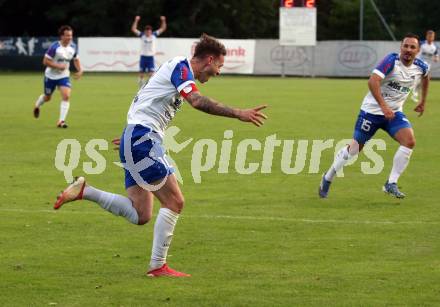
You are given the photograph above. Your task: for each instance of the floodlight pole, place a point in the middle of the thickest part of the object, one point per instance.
(382, 19)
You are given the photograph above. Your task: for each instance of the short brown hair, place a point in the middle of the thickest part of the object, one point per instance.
(64, 28)
(412, 35)
(148, 27)
(209, 45)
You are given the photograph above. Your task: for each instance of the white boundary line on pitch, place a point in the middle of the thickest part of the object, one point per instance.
(254, 218)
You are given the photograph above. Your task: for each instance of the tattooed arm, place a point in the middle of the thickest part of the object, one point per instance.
(213, 107)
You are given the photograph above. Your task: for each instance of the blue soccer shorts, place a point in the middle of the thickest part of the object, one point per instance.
(146, 64)
(51, 84)
(143, 143)
(367, 125)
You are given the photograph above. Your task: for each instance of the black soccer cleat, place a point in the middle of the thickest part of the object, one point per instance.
(62, 124)
(36, 112)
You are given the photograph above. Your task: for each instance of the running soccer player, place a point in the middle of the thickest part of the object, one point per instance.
(148, 46)
(57, 61)
(429, 54)
(389, 84)
(147, 172)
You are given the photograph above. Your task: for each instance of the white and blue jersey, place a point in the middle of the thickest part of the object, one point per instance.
(148, 44)
(152, 109)
(397, 82)
(60, 54)
(158, 101)
(427, 51)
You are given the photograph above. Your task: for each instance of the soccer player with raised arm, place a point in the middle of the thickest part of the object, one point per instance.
(148, 46)
(428, 53)
(389, 84)
(147, 173)
(57, 61)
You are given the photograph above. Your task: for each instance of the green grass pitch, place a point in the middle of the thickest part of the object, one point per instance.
(248, 240)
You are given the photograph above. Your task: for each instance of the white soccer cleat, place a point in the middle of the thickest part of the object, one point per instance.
(73, 192)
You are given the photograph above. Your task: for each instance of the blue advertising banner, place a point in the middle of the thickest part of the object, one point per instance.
(25, 46)
(24, 53)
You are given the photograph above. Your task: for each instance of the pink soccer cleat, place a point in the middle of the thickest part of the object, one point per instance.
(73, 192)
(166, 271)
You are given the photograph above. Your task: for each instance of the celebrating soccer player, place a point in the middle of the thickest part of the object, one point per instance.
(57, 60)
(148, 46)
(389, 84)
(142, 153)
(428, 53)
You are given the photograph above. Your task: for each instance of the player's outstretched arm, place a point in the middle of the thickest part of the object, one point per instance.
(79, 70)
(135, 25)
(163, 25)
(420, 108)
(213, 107)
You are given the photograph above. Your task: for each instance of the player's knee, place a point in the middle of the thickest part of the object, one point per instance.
(66, 97)
(176, 203)
(355, 148)
(144, 218)
(47, 98)
(144, 214)
(411, 143)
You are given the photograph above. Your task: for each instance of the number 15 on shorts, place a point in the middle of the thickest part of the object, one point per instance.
(366, 125)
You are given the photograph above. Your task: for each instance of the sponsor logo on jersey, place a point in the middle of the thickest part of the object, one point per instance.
(397, 86)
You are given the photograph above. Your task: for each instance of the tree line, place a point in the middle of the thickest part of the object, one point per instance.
(337, 19)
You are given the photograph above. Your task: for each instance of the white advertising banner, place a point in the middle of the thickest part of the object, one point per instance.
(240, 57)
(122, 54)
(297, 26)
(109, 54)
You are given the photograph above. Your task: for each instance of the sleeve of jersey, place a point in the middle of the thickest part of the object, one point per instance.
(50, 53)
(386, 66)
(76, 52)
(183, 79)
(425, 69)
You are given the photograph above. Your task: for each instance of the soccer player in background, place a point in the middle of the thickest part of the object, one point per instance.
(428, 53)
(151, 111)
(148, 46)
(389, 84)
(57, 61)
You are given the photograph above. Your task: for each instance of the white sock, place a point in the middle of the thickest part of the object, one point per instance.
(64, 109)
(163, 233)
(114, 203)
(341, 159)
(400, 162)
(40, 101)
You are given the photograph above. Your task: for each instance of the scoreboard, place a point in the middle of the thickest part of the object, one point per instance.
(297, 23)
(298, 3)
